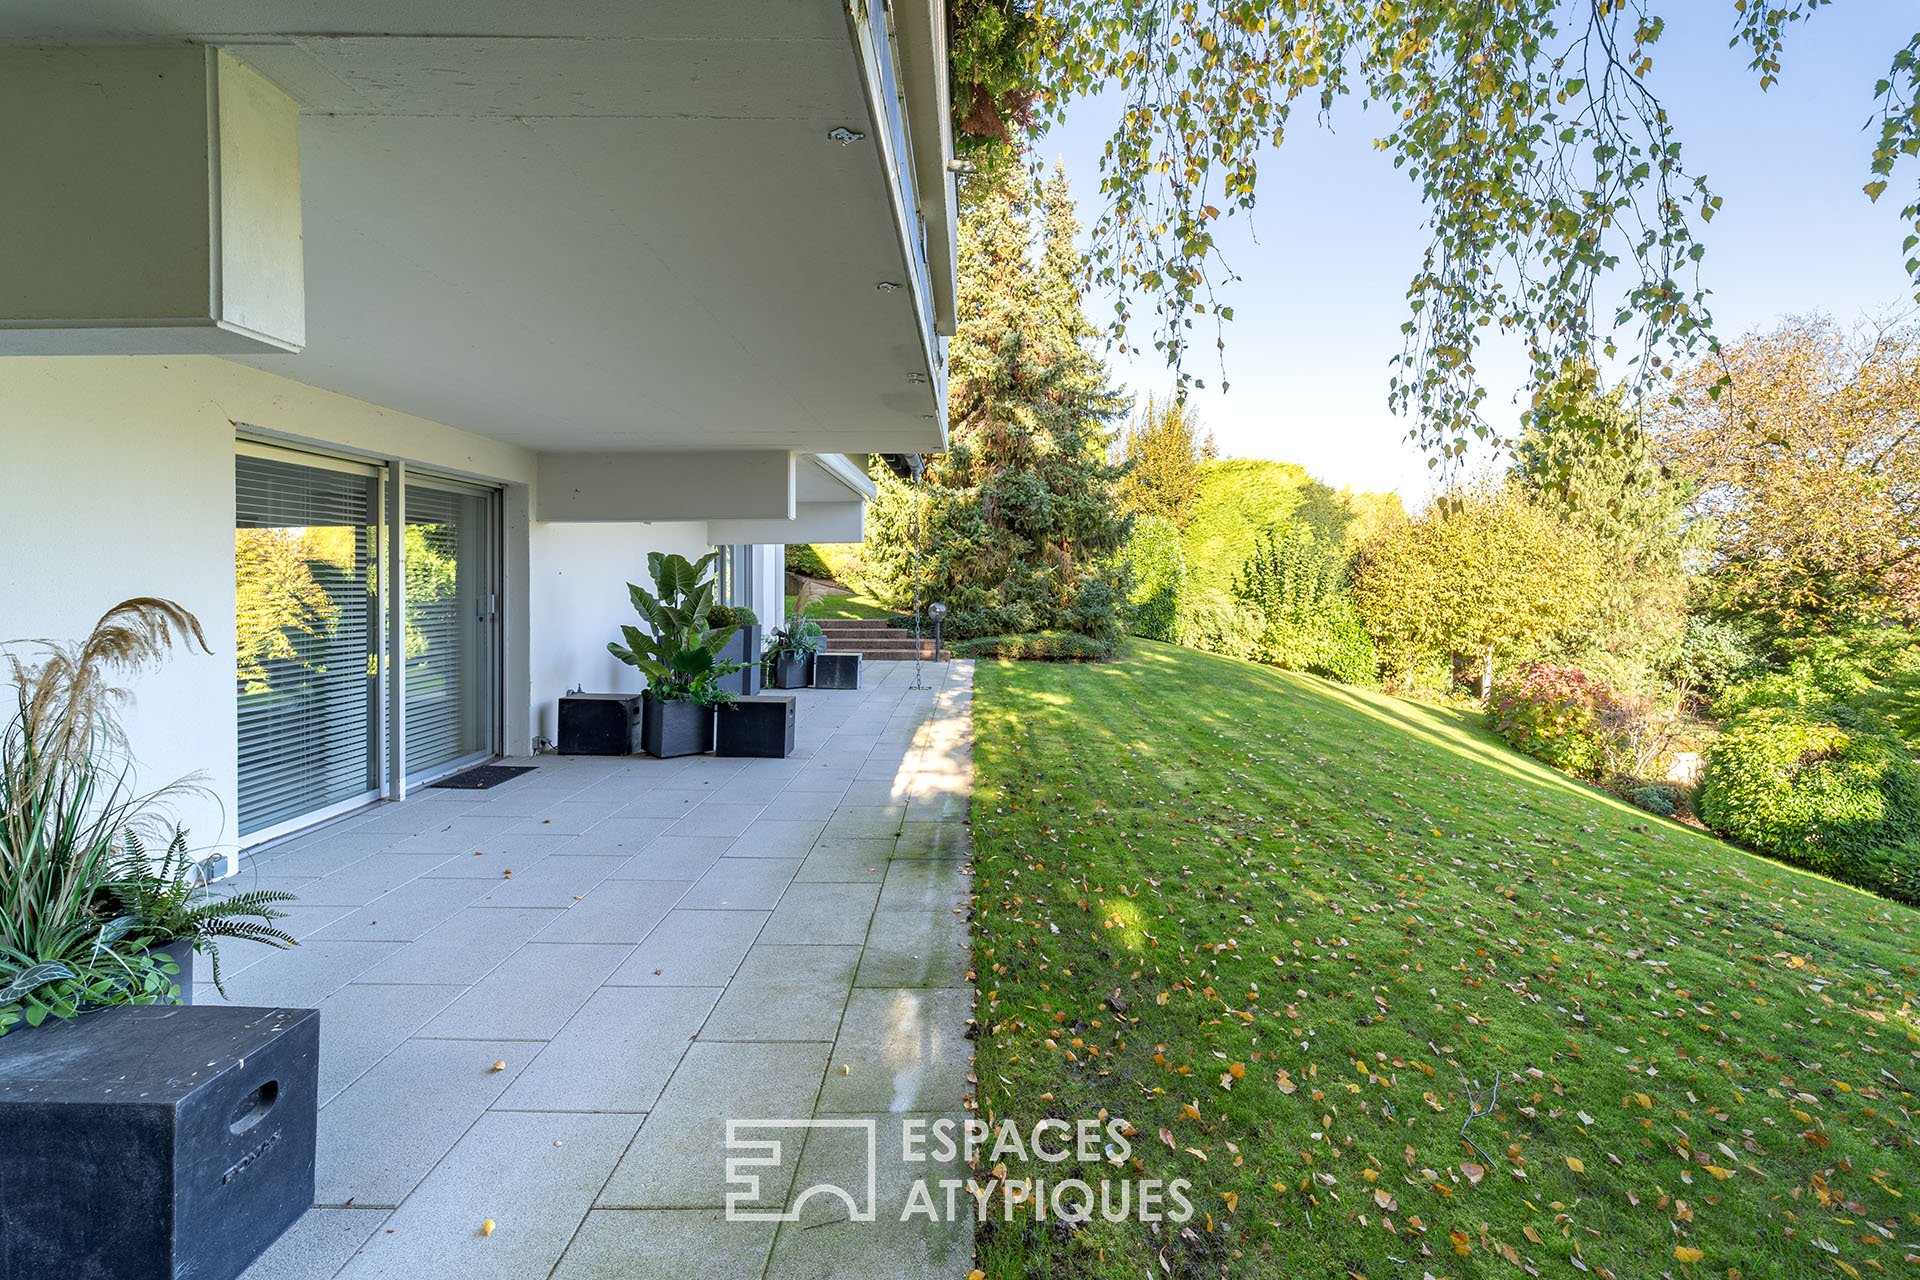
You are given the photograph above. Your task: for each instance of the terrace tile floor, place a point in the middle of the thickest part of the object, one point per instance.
(650, 947)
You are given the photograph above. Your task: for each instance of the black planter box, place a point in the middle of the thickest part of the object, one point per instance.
(155, 1141)
(836, 671)
(744, 647)
(599, 724)
(181, 953)
(676, 728)
(759, 726)
(791, 672)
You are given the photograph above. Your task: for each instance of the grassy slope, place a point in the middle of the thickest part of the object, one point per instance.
(851, 606)
(1365, 901)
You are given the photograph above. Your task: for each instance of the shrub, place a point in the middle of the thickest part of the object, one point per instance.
(1843, 801)
(1558, 715)
(1159, 572)
(1661, 799)
(1038, 646)
(804, 559)
(1217, 623)
(1712, 654)
(1300, 587)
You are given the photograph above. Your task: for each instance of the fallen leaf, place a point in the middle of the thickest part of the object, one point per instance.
(1574, 1164)
(1474, 1172)
(1687, 1253)
(486, 1228)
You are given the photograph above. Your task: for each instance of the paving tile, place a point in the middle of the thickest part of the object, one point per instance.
(713, 819)
(934, 840)
(622, 835)
(679, 1159)
(616, 911)
(674, 858)
(304, 919)
(360, 882)
(534, 1175)
(502, 853)
(317, 1246)
(742, 884)
(455, 833)
(916, 949)
(692, 949)
(823, 913)
(463, 949)
(925, 884)
(875, 795)
(810, 806)
(907, 1050)
(567, 817)
(530, 995)
(388, 1129)
(362, 1023)
(317, 857)
(826, 1240)
(296, 978)
(551, 882)
(407, 912)
(847, 862)
(665, 1244)
(616, 1053)
(673, 802)
(786, 993)
(832, 776)
(776, 836)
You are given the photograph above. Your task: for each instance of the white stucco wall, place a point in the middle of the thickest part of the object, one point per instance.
(116, 480)
(578, 596)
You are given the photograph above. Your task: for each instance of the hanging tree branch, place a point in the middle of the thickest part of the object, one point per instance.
(1560, 209)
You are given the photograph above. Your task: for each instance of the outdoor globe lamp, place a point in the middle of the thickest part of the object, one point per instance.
(936, 611)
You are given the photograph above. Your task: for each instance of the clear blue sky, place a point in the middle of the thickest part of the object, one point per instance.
(1338, 232)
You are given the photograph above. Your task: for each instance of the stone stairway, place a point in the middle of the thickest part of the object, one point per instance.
(875, 640)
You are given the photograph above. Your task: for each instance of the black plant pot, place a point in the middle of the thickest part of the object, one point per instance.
(791, 671)
(744, 647)
(153, 1141)
(181, 952)
(676, 728)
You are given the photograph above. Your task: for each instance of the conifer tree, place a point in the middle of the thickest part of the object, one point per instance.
(1162, 451)
(1018, 522)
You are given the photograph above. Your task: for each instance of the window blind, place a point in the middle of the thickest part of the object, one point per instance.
(307, 613)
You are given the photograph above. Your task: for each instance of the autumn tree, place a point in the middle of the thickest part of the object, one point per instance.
(1596, 465)
(1485, 573)
(1805, 446)
(1016, 528)
(1561, 210)
(1161, 451)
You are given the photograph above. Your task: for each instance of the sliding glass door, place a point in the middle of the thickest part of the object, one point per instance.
(313, 575)
(450, 610)
(307, 639)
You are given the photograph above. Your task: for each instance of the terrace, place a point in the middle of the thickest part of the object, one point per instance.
(541, 1002)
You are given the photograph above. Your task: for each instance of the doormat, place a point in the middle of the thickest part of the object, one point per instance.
(484, 776)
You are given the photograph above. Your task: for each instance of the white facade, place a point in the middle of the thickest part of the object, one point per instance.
(632, 278)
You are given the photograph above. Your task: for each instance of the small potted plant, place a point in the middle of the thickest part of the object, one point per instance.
(170, 901)
(681, 657)
(791, 647)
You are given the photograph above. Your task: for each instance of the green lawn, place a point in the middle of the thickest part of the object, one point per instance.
(1281, 926)
(853, 606)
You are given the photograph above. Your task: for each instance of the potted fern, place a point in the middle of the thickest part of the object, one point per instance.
(792, 646)
(172, 904)
(680, 654)
(71, 819)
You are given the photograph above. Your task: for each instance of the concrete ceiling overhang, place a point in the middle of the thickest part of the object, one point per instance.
(583, 226)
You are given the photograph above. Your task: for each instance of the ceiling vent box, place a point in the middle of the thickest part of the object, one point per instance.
(151, 204)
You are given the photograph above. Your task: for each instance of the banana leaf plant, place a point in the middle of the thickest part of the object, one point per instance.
(679, 651)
